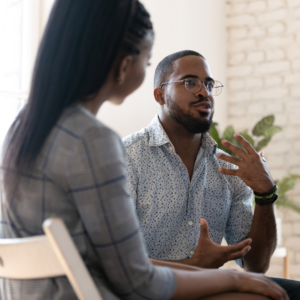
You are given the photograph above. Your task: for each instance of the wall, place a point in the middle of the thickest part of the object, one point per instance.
(179, 25)
(263, 78)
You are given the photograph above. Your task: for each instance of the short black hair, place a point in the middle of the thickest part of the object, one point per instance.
(165, 68)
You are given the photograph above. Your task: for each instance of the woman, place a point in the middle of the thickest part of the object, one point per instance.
(59, 160)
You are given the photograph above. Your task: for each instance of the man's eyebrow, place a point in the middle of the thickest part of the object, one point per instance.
(195, 76)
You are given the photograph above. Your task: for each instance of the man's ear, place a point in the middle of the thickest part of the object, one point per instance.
(159, 96)
(124, 68)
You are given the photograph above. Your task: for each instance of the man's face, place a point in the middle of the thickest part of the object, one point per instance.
(194, 111)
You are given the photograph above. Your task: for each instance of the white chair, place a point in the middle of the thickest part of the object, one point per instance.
(50, 255)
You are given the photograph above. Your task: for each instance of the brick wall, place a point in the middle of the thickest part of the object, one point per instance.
(264, 78)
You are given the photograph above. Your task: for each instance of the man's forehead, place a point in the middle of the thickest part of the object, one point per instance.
(193, 65)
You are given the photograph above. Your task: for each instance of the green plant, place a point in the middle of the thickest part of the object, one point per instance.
(262, 132)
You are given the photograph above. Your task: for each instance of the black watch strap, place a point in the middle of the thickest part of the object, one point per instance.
(266, 201)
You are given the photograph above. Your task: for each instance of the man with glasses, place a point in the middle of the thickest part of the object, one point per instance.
(178, 177)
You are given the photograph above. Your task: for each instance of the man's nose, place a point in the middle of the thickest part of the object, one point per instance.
(203, 91)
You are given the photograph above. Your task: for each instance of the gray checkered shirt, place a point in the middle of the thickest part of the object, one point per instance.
(80, 176)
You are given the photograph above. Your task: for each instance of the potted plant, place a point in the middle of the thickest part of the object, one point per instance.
(262, 132)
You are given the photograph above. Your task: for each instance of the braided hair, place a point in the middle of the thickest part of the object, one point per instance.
(139, 26)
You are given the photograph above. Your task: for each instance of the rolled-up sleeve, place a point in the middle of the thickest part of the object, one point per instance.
(97, 181)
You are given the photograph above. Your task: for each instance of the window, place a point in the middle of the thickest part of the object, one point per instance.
(21, 26)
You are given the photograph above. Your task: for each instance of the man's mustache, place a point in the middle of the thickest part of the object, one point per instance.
(201, 99)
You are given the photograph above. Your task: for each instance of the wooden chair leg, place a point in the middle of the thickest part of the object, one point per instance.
(286, 266)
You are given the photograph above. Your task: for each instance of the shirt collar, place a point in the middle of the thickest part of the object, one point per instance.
(158, 137)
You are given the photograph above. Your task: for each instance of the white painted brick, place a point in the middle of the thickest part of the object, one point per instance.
(292, 160)
(253, 108)
(297, 12)
(298, 257)
(276, 28)
(296, 64)
(293, 243)
(275, 54)
(281, 120)
(291, 133)
(237, 58)
(298, 38)
(292, 78)
(257, 31)
(278, 148)
(293, 3)
(254, 57)
(256, 6)
(273, 67)
(295, 269)
(278, 173)
(293, 106)
(293, 25)
(293, 51)
(241, 20)
(275, 161)
(287, 228)
(236, 84)
(276, 15)
(273, 81)
(238, 33)
(273, 4)
(254, 82)
(240, 97)
(295, 119)
(297, 146)
(295, 91)
(276, 41)
(240, 71)
(237, 110)
(273, 108)
(237, 8)
(241, 45)
(272, 93)
(296, 228)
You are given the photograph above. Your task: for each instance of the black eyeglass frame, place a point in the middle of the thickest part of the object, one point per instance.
(204, 82)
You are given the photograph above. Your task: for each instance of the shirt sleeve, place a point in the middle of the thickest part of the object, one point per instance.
(97, 180)
(240, 215)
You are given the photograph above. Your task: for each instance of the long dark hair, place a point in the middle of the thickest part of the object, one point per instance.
(82, 40)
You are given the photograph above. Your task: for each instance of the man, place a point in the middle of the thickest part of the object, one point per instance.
(178, 176)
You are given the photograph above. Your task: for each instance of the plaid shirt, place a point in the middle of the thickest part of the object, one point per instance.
(169, 205)
(80, 176)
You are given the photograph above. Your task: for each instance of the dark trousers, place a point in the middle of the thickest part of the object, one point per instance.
(292, 287)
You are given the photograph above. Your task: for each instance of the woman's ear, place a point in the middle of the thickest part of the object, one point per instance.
(159, 96)
(124, 69)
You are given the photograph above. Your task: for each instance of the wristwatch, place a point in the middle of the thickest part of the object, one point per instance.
(266, 198)
(266, 201)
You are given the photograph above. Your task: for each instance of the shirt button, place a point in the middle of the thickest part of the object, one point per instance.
(192, 252)
(190, 223)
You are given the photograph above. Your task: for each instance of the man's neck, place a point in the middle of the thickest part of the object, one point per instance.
(186, 144)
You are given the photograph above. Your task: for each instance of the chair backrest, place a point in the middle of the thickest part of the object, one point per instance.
(50, 255)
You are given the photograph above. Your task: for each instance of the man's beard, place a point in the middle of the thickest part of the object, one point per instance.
(190, 123)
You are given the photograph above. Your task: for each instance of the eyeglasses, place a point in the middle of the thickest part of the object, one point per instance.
(193, 85)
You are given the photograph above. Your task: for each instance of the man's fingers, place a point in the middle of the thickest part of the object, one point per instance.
(238, 254)
(203, 229)
(247, 146)
(229, 158)
(238, 247)
(229, 171)
(235, 149)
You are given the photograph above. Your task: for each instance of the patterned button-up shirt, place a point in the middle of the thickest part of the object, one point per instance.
(169, 205)
(80, 176)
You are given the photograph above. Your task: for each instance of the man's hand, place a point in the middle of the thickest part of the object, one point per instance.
(211, 255)
(252, 168)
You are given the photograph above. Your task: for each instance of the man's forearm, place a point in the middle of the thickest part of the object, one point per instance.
(263, 235)
(175, 265)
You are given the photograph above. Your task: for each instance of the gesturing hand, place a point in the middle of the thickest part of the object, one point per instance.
(211, 255)
(252, 168)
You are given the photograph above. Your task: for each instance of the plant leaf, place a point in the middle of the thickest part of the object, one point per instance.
(260, 127)
(261, 144)
(228, 134)
(247, 137)
(270, 131)
(213, 132)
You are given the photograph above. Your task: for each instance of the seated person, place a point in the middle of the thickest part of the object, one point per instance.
(60, 161)
(178, 176)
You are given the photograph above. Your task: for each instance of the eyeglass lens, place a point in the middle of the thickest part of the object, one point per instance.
(193, 85)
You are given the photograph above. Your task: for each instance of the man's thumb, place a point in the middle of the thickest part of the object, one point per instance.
(203, 228)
